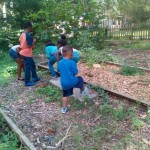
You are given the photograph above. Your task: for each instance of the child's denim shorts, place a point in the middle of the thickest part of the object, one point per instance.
(13, 54)
(69, 92)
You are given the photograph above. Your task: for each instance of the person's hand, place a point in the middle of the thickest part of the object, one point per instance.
(34, 41)
(18, 49)
(33, 46)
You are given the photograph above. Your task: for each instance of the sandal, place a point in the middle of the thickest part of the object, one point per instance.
(21, 79)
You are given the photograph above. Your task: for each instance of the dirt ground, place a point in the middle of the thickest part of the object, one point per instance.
(91, 128)
(139, 58)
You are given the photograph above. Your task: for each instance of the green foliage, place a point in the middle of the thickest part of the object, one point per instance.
(138, 46)
(119, 114)
(8, 140)
(51, 93)
(11, 70)
(8, 38)
(101, 131)
(137, 124)
(101, 92)
(79, 105)
(135, 10)
(129, 71)
(8, 69)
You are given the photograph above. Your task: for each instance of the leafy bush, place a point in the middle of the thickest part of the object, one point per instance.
(8, 38)
(8, 140)
(91, 55)
(6, 75)
(129, 71)
(11, 70)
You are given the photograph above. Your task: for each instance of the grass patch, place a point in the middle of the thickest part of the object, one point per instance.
(138, 46)
(129, 71)
(137, 124)
(49, 93)
(8, 69)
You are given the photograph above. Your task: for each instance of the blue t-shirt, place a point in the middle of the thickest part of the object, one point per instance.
(68, 70)
(49, 50)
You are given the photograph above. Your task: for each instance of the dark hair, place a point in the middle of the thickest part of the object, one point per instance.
(27, 25)
(62, 41)
(63, 36)
(49, 43)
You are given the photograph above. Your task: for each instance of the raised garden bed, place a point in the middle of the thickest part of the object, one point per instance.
(116, 84)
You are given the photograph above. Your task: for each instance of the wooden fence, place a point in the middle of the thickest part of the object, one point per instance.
(130, 33)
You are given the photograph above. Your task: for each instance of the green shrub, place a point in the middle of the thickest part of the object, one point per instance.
(11, 70)
(129, 71)
(8, 140)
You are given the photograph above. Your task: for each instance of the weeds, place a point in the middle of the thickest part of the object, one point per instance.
(137, 124)
(139, 46)
(101, 92)
(50, 93)
(8, 69)
(129, 71)
(8, 140)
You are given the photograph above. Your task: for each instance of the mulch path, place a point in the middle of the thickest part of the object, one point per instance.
(103, 75)
(139, 58)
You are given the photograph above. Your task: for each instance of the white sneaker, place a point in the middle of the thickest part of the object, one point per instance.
(64, 110)
(85, 91)
(55, 77)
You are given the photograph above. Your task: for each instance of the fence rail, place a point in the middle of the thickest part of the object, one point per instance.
(131, 33)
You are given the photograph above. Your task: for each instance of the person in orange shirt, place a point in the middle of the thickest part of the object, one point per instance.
(27, 43)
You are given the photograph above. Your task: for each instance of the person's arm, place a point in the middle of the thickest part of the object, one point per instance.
(18, 49)
(58, 67)
(74, 68)
(58, 53)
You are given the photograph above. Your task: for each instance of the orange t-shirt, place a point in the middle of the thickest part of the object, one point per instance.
(25, 50)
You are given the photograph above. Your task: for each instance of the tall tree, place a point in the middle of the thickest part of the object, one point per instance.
(135, 11)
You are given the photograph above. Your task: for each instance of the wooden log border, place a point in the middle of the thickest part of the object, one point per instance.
(25, 141)
(119, 65)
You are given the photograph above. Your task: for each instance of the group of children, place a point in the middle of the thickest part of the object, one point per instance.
(65, 55)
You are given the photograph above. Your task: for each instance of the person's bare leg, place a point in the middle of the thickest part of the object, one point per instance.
(20, 66)
(64, 101)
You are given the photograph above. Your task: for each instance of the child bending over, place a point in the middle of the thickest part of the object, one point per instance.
(68, 69)
(14, 54)
(51, 51)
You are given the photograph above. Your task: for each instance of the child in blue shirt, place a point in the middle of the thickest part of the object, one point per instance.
(68, 71)
(51, 52)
